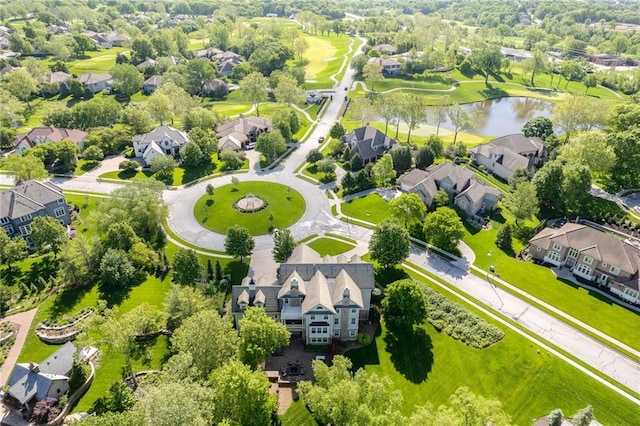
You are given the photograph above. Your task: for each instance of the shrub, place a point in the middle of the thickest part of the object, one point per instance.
(460, 323)
(128, 166)
(45, 410)
(364, 338)
(503, 238)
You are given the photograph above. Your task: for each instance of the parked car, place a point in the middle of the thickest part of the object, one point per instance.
(321, 139)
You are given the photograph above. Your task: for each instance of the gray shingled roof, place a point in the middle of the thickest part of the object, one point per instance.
(518, 143)
(178, 136)
(368, 142)
(244, 125)
(27, 197)
(318, 294)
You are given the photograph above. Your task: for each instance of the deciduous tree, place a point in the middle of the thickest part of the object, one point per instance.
(260, 335)
(383, 170)
(186, 266)
(539, 127)
(288, 91)
(408, 209)
(24, 167)
(48, 234)
(271, 144)
(405, 305)
(183, 302)
(389, 244)
(254, 89)
(20, 84)
(127, 79)
(523, 202)
(163, 166)
(238, 242)
(11, 249)
(443, 228)
(372, 72)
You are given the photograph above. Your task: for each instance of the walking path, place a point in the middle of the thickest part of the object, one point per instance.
(23, 320)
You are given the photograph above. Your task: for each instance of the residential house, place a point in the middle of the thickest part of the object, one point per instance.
(151, 84)
(242, 132)
(215, 88)
(386, 49)
(96, 82)
(149, 63)
(98, 39)
(317, 298)
(163, 140)
(31, 382)
(390, 67)
(469, 194)
(4, 42)
(226, 66)
(592, 255)
(208, 53)
(515, 54)
(53, 82)
(314, 97)
(48, 134)
(503, 155)
(368, 142)
(26, 201)
(117, 39)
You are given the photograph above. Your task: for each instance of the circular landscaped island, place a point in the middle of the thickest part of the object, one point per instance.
(257, 206)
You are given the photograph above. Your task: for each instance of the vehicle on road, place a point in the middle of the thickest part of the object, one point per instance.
(321, 139)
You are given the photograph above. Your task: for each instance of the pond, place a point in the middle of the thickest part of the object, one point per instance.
(504, 116)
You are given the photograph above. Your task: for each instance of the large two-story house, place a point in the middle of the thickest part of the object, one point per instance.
(390, 67)
(163, 140)
(20, 205)
(242, 132)
(317, 298)
(469, 194)
(43, 134)
(503, 155)
(368, 142)
(591, 255)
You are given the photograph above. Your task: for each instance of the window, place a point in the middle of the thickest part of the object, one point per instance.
(584, 269)
(243, 306)
(25, 230)
(573, 252)
(26, 217)
(4, 220)
(352, 333)
(326, 317)
(9, 229)
(552, 255)
(313, 317)
(353, 311)
(353, 321)
(614, 270)
(336, 321)
(557, 247)
(325, 330)
(588, 260)
(59, 212)
(61, 201)
(336, 333)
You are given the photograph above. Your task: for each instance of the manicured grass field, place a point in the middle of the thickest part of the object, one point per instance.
(540, 282)
(297, 415)
(97, 62)
(329, 246)
(372, 208)
(286, 206)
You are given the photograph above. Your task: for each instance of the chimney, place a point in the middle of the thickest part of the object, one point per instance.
(34, 367)
(346, 293)
(252, 285)
(294, 283)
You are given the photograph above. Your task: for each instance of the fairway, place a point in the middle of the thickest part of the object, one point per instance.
(320, 52)
(284, 205)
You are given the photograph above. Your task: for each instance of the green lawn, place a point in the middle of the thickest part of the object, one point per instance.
(429, 366)
(84, 166)
(297, 415)
(218, 215)
(97, 62)
(329, 246)
(540, 282)
(372, 208)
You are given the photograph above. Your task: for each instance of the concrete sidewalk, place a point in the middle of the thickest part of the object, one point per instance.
(23, 320)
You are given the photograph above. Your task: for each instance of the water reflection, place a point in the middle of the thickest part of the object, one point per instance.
(504, 116)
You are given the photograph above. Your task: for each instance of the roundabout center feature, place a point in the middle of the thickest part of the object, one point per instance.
(260, 207)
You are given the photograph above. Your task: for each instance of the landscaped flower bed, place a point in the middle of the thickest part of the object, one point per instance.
(64, 329)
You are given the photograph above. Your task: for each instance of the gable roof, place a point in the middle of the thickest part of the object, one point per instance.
(49, 134)
(597, 244)
(510, 150)
(318, 294)
(368, 142)
(154, 80)
(59, 77)
(177, 136)
(28, 198)
(519, 143)
(243, 125)
(93, 78)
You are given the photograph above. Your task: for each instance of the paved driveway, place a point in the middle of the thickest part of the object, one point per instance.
(23, 320)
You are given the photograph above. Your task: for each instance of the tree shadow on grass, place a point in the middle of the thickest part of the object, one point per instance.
(41, 271)
(66, 300)
(367, 355)
(385, 277)
(237, 270)
(193, 173)
(493, 92)
(411, 353)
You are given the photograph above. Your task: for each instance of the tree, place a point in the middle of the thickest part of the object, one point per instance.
(163, 166)
(503, 237)
(191, 155)
(209, 339)
(20, 84)
(11, 111)
(66, 154)
(93, 153)
(186, 266)
(340, 397)
(288, 92)
(201, 118)
(548, 184)
(143, 257)
(387, 107)
(539, 127)
(589, 149)
(487, 59)
(442, 198)
(196, 72)
(314, 156)
(231, 159)
(337, 131)
(45, 410)
(24, 167)
(405, 305)
(327, 166)
(127, 79)
(424, 157)
(523, 202)
(206, 141)
(583, 417)
(572, 71)
(576, 184)
(82, 44)
(11, 249)
(116, 270)
(173, 403)
(283, 245)
(141, 50)
(519, 175)
(389, 244)
(401, 159)
(260, 335)
(272, 55)
(241, 396)
(286, 120)
(47, 233)
(238, 242)
(254, 89)
(210, 190)
(383, 170)
(271, 144)
(182, 303)
(439, 112)
(535, 64)
(555, 417)
(358, 63)
(462, 120)
(372, 71)
(412, 111)
(589, 81)
(626, 146)
(159, 106)
(443, 228)
(140, 205)
(408, 209)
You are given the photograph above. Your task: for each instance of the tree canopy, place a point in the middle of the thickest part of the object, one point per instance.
(443, 228)
(405, 305)
(260, 335)
(390, 244)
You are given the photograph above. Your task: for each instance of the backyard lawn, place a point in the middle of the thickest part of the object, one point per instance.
(218, 214)
(297, 415)
(330, 246)
(429, 366)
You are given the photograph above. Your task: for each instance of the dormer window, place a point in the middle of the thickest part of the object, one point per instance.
(243, 306)
(259, 305)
